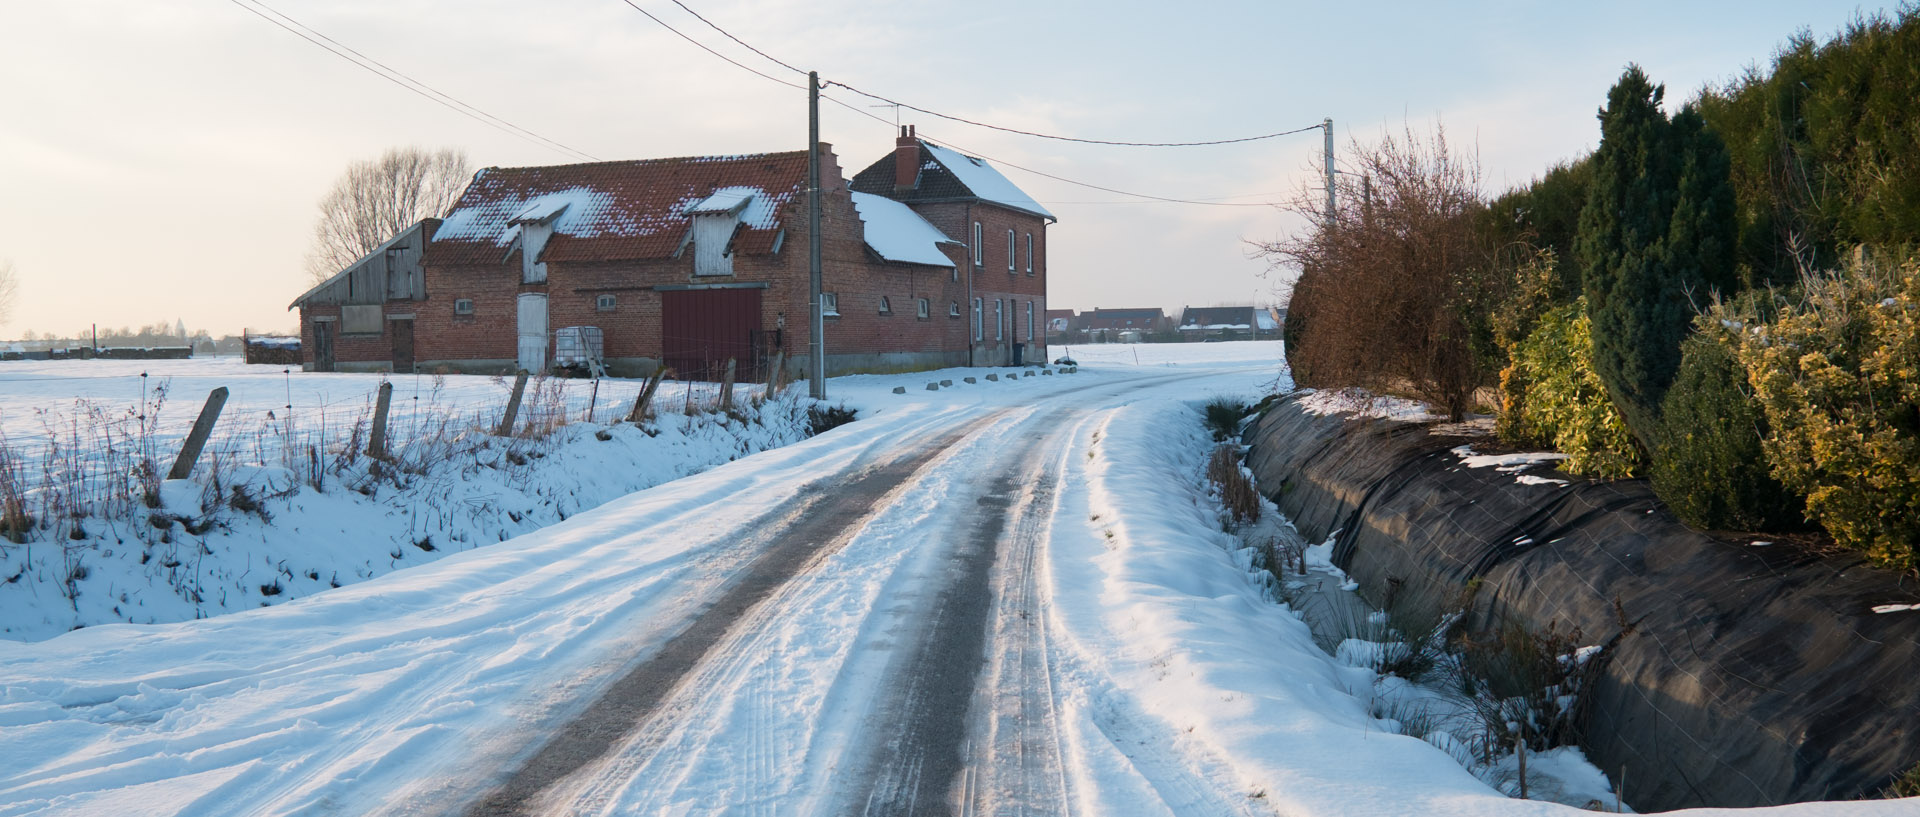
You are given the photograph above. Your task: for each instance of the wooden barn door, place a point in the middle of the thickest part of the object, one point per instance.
(323, 346)
(532, 325)
(402, 331)
(701, 329)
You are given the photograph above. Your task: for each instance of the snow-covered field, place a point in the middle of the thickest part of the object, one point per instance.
(1177, 684)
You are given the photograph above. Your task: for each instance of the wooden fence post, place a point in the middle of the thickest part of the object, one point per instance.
(775, 373)
(197, 438)
(644, 403)
(726, 387)
(513, 405)
(377, 441)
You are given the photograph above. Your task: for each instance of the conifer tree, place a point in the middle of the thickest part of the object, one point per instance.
(1656, 237)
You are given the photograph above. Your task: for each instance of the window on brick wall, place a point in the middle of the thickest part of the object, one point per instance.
(830, 304)
(979, 315)
(605, 303)
(999, 319)
(979, 247)
(1010, 254)
(1029, 253)
(920, 307)
(886, 306)
(953, 309)
(1029, 320)
(463, 306)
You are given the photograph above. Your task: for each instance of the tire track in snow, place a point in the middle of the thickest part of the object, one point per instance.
(795, 537)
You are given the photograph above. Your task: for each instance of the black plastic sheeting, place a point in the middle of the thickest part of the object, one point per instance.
(1754, 675)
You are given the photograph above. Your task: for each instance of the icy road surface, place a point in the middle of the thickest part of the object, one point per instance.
(998, 598)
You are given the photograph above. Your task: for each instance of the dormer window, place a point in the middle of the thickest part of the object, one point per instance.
(716, 219)
(535, 223)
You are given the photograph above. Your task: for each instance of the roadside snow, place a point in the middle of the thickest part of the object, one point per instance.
(1363, 405)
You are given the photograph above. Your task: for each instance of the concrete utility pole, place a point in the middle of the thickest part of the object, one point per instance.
(1327, 124)
(816, 345)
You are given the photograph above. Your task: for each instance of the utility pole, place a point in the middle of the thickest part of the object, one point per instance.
(816, 345)
(1327, 125)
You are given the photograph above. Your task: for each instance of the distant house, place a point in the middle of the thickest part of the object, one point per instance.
(1123, 325)
(1230, 323)
(1062, 326)
(692, 262)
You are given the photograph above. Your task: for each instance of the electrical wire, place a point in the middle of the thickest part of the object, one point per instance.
(401, 79)
(703, 47)
(782, 63)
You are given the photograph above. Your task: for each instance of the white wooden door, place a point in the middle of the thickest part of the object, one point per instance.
(533, 332)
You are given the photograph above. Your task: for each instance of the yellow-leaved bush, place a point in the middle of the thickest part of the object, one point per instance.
(1550, 393)
(1837, 374)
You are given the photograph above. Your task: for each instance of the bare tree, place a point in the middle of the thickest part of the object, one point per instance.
(9, 290)
(374, 200)
(1393, 282)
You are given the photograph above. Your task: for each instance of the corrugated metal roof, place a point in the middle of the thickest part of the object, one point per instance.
(610, 211)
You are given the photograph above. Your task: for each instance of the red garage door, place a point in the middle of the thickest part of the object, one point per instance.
(701, 329)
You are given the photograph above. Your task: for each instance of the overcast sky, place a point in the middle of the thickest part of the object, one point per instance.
(162, 160)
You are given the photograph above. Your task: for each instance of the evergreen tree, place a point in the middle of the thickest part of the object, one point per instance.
(1656, 237)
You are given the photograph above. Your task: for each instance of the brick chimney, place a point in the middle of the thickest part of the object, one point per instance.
(906, 160)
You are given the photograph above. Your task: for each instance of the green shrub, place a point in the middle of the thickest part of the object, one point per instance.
(1837, 375)
(1709, 466)
(1555, 397)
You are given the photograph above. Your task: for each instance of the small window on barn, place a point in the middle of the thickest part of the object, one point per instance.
(1029, 253)
(953, 309)
(463, 306)
(830, 304)
(886, 307)
(920, 304)
(605, 303)
(1010, 254)
(979, 247)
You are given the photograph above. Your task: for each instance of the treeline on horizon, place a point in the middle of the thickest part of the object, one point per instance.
(1722, 298)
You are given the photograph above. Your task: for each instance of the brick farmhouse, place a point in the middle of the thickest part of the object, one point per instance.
(929, 258)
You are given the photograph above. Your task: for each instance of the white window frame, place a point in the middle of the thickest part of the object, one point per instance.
(886, 306)
(1029, 253)
(999, 319)
(925, 309)
(1011, 255)
(463, 306)
(979, 247)
(830, 304)
(1029, 321)
(953, 309)
(605, 303)
(979, 319)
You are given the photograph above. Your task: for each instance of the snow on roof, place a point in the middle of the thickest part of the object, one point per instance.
(603, 211)
(724, 200)
(897, 233)
(760, 212)
(1263, 319)
(575, 211)
(984, 181)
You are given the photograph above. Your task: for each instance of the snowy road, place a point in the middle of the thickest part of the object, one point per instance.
(1007, 597)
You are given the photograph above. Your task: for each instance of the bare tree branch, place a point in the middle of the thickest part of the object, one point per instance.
(9, 290)
(374, 200)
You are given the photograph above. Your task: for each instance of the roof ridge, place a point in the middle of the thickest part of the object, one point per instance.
(731, 157)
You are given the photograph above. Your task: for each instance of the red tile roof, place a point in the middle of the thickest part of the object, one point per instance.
(618, 210)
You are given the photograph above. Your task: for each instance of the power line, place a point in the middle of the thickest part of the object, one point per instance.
(743, 43)
(782, 63)
(345, 52)
(871, 115)
(1039, 135)
(703, 47)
